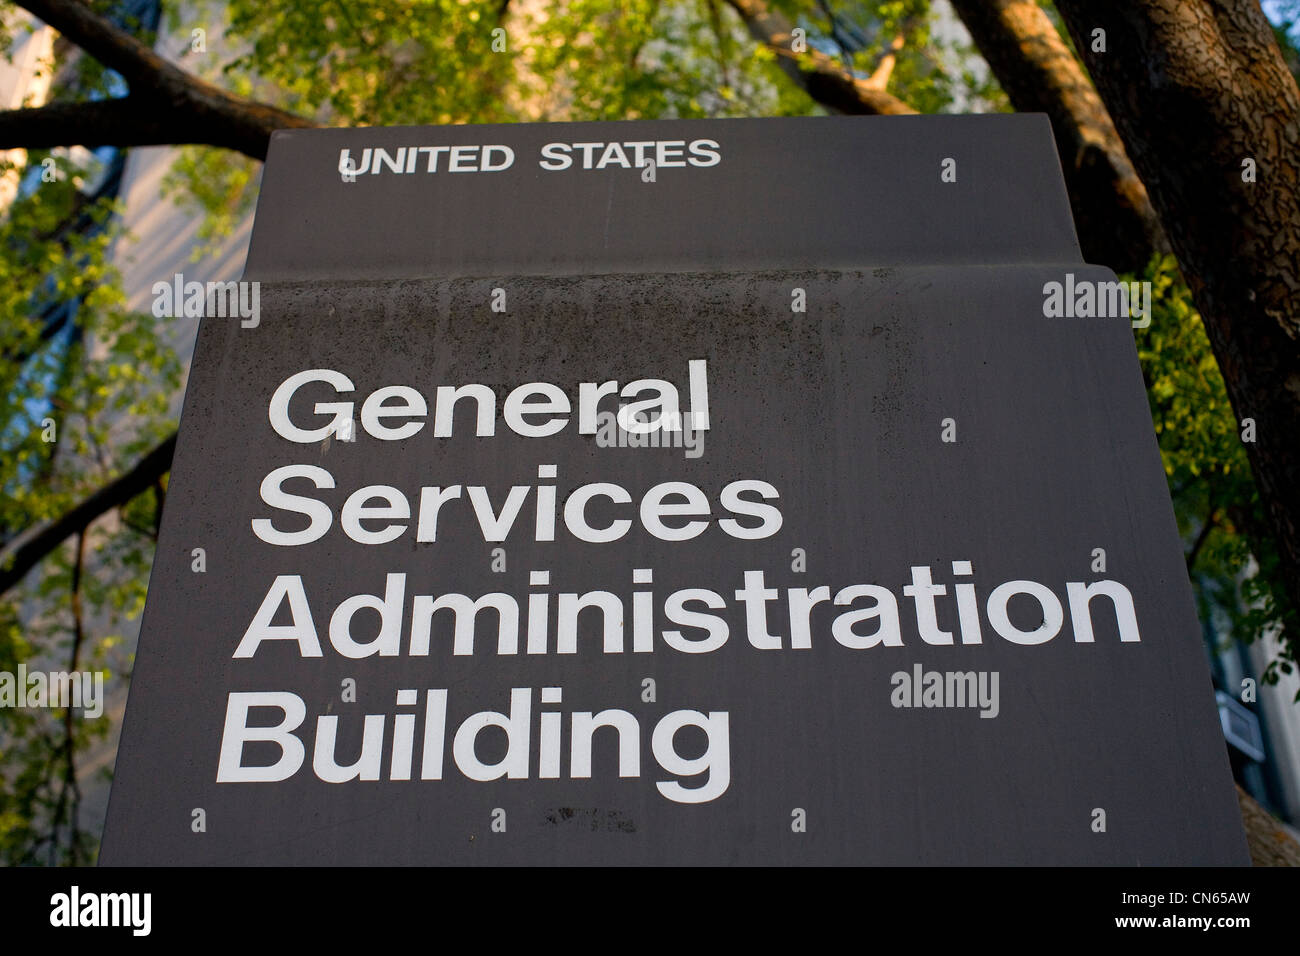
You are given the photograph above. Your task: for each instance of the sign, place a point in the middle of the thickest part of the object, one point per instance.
(702, 492)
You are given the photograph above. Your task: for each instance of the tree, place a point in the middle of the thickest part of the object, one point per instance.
(1116, 223)
(291, 64)
(1210, 113)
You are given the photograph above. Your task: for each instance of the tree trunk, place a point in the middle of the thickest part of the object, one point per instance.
(1270, 844)
(1210, 116)
(1117, 225)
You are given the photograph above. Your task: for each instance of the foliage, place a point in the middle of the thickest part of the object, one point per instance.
(85, 388)
(1284, 15)
(1233, 560)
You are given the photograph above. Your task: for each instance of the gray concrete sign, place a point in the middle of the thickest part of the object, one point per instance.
(701, 492)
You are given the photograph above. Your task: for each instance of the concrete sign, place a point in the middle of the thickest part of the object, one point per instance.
(705, 492)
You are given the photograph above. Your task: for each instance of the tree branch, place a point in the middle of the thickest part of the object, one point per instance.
(1117, 224)
(69, 737)
(159, 497)
(166, 105)
(22, 553)
(128, 121)
(816, 73)
(879, 77)
(112, 46)
(1211, 520)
